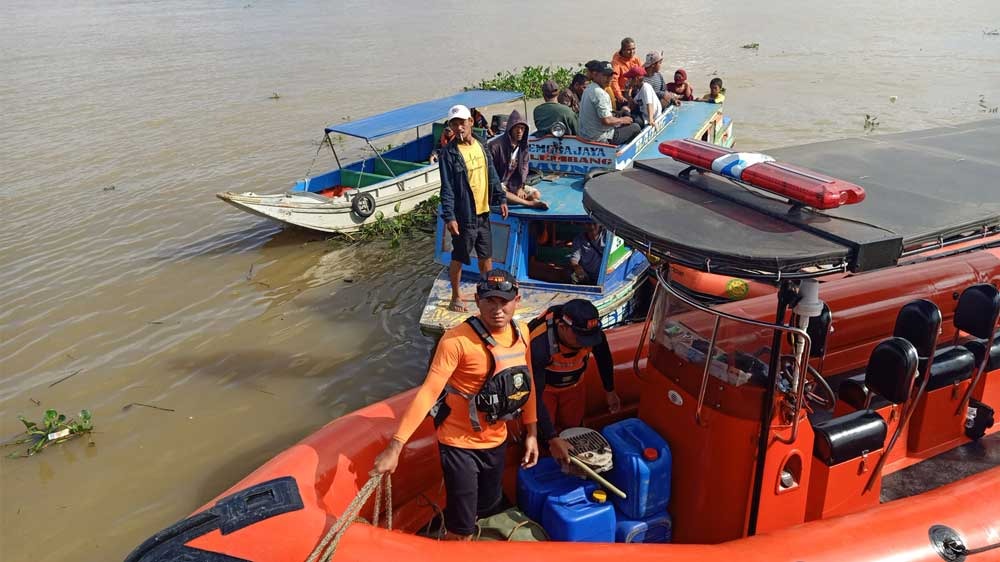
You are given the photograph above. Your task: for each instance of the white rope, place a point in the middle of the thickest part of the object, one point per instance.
(327, 547)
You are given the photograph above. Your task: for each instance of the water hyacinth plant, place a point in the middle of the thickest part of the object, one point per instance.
(529, 80)
(54, 428)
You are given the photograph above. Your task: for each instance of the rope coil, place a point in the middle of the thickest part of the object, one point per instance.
(327, 547)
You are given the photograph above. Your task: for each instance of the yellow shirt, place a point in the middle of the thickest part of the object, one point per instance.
(479, 179)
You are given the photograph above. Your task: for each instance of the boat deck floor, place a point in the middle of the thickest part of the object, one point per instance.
(945, 468)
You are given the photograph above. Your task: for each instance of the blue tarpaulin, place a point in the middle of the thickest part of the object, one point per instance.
(406, 118)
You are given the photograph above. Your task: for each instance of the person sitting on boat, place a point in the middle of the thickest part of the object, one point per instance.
(680, 86)
(647, 102)
(479, 122)
(483, 360)
(469, 186)
(562, 340)
(510, 156)
(552, 112)
(621, 61)
(447, 135)
(654, 61)
(597, 120)
(571, 96)
(588, 254)
(716, 93)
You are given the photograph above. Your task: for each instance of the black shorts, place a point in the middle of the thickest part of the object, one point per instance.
(480, 239)
(473, 480)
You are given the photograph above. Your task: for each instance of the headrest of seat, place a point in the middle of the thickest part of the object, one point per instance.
(977, 310)
(891, 370)
(919, 323)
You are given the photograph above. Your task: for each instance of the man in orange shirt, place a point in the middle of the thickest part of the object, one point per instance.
(621, 62)
(479, 377)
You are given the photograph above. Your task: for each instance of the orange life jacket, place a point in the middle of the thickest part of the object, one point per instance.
(507, 388)
(566, 365)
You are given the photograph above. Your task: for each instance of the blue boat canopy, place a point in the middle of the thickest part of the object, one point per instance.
(406, 118)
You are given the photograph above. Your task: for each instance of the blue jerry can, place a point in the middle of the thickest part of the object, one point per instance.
(642, 468)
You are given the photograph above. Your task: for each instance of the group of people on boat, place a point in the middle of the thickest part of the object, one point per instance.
(490, 369)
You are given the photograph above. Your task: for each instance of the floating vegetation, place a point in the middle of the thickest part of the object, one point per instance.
(754, 46)
(991, 32)
(274, 96)
(892, 99)
(985, 107)
(871, 123)
(394, 229)
(54, 428)
(529, 80)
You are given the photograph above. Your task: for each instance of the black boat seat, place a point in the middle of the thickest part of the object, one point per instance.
(977, 310)
(951, 364)
(978, 347)
(848, 437)
(853, 391)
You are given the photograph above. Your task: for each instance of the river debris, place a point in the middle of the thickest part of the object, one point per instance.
(753, 46)
(161, 408)
(871, 123)
(985, 107)
(421, 218)
(71, 375)
(995, 32)
(274, 96)
(54, 428)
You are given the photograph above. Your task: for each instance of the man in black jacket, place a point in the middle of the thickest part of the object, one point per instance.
(469, 186)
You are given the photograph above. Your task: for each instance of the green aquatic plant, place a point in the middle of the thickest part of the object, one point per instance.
(529, 79)
(54, 428)
(754, 46)
(394, 229)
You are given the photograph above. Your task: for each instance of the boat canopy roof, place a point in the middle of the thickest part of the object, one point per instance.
(923, 188)
(412, 116)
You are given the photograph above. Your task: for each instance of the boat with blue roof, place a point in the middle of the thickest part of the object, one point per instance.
(387, 184)
(535, 244)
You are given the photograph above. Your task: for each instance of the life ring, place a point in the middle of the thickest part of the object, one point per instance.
(363, 205)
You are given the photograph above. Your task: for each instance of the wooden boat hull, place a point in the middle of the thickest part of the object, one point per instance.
(336, 214)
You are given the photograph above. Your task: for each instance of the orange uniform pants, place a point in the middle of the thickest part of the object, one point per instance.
(565, 405)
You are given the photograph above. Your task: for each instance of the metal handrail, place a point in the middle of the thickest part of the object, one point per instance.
(803, 361)
(645, 333)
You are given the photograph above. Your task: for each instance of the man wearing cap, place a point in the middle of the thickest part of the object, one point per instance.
(588, 254)
(646, 100)
(597, 122)
(571, 96)
(471, 442)
(621, 61)
(552, 112)
(469, 186)
(562, 341)
(654, 60)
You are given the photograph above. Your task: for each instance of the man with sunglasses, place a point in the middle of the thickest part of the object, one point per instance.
(478, 379)
(562, 341)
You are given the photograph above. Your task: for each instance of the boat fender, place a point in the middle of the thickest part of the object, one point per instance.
(363, 205)
(232, 513)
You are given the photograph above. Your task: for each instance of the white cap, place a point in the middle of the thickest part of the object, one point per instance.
(459, 112)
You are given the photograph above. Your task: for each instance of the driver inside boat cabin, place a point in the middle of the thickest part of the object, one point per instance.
(561, 342)
(588, 254)
(486, 347)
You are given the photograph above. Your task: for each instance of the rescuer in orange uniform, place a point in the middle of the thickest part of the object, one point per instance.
(561, 343)
(478, 379)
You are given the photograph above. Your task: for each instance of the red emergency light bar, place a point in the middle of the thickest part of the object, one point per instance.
(797, 184)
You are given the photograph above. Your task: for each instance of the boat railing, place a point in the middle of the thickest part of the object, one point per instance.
(663, 284)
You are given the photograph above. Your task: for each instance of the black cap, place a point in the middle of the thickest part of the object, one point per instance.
(497, 283)
(593, 65)
(581, 315)
(605, 68)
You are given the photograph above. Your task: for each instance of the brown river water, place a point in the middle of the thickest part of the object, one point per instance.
(121, 271)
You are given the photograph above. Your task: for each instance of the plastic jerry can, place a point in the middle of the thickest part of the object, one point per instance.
(536, 484)
(657, 528)
(642, 468)
(579, 516)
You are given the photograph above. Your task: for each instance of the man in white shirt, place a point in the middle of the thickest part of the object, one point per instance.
(645, 97)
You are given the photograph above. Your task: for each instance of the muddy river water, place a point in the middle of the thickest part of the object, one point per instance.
(121, 271)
